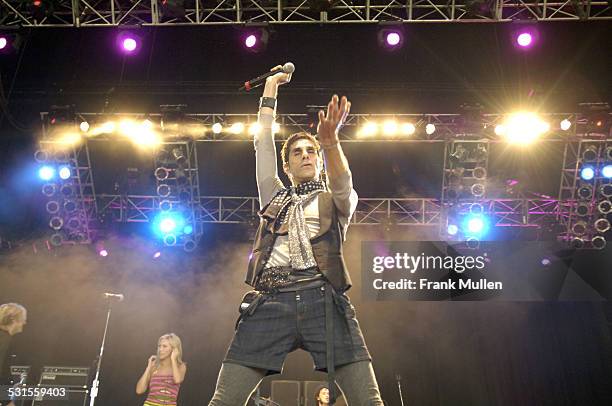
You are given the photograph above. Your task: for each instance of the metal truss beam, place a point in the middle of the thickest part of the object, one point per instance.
(447, 126)
(370, 211)
(95, 13)
(571, 182)
(74, 196)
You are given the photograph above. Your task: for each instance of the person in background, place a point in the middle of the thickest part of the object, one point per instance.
(322, 396)
(164, 373)
(13, 317)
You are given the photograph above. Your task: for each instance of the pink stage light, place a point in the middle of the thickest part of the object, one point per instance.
(3, 42)
(129, 44)
(393, 38)
(103, 253)
(250, 41)
(157, 255)
(524, 39)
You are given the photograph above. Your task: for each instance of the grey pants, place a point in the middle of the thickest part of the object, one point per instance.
(236, 383)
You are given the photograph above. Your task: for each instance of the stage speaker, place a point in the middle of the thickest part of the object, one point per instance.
(19, 373)
(286, 393)
(311, 389)
(75, 379)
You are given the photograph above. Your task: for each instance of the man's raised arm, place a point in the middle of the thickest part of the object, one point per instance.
(268, 182)
(336, 164)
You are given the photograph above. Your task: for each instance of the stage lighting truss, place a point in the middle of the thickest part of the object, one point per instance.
(68, 201)
(358, 127)
(68, 13)
(459, 178)
(464, 183)
(177, 186)
(584, 193)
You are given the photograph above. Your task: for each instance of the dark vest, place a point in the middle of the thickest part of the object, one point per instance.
(326, 245)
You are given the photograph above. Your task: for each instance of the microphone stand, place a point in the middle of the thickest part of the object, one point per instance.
(96, 382)
(399, 387)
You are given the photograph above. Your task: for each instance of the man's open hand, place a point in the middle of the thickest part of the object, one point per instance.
(330, 124)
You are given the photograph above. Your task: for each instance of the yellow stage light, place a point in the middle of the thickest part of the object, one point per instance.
(140, 134)
(369, 129)
(107, 128)
(69, 139)
(237, 128)
(408, 129)
(276, 128)
(127, 127)
(390, 127)
(147, 124)
(500, 129)
(254, 129)
(524, 128)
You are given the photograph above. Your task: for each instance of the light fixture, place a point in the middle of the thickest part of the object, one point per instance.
(590, 153)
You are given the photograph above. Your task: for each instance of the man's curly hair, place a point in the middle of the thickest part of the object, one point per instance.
(293, 138)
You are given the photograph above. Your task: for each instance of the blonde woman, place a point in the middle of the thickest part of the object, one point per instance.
(13, 317)
(164, 373)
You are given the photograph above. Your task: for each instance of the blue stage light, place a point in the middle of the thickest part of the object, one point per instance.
(475, 225)
(606, 171)
(587, 173)
(64, 172)
(168, 223)
(452, 229)
(46, 172)
(188, 229)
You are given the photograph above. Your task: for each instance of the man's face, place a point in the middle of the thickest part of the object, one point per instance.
(304, 163)
(324, 396)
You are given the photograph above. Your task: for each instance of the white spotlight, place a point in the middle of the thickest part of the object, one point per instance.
(217, 128)
(408, 129)
(430, 129)
(84, 126)
(565, 124)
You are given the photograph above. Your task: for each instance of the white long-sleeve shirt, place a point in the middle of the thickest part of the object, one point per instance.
(268, 184)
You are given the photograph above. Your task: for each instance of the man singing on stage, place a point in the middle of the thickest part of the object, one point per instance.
(297, 266)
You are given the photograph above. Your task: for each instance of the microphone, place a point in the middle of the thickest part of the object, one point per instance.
(118, 296)
(259, 80)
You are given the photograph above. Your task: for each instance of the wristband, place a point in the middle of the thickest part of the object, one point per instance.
(267, 102)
